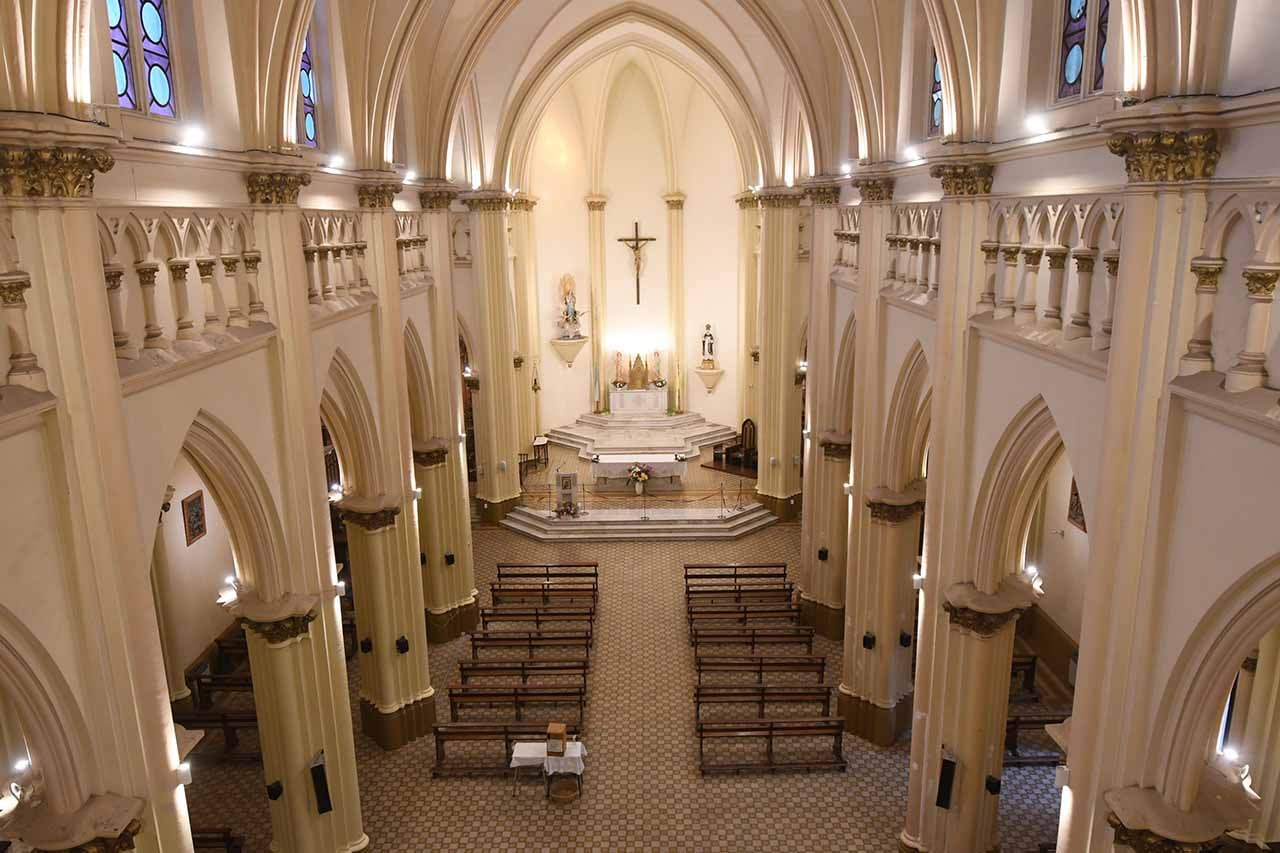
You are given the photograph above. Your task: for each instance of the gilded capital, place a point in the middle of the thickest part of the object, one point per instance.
(430, 454)
(779, 197)
(378, 194)
(1010, 253)
(275, 188)
(990, 251)
(1167, 155)
(281, 630)
(1261, 282)
(963, 179)
(368, 514)
(675, 201)
(51, 172)
(596, 202)
(1057, 257)
(747, 201)
(204, 266)
(978, 622)
(230, 263)
(146, 271)
(1112, 262)
(1033, 255)
(487, 202)
(178, 268)
(1146, 841)
(12, 286)
(114, 274)
(438, 199)
(893, 513)
(1250, 664)
(875, 189)
(524, 202)
(1206, 271)
(1084, 259)
(823, 195)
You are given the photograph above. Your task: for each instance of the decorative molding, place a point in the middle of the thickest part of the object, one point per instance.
(963, 179)
(524, 203)
(984, 613)
(977, 622)
(596, 202)
(747, 201)
(823, 195)
(1167, 155)
(1010, 253)
(51, 172)
(990, 251)
(275, 188)
(1057, 257)
(487, 202)
(1206, 271)
(380, 194)
(779, 197)
(1146, 841)
(1261, 282)
(281, 630)
(875, 189)
(14, 284)
(431, 453)
(368, 514)
(892, 513)
(439, 199)
(675, 201)
(1032, 255)
(1084, 259)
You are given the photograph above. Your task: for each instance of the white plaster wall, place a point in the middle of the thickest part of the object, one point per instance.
(902, 329)
(1063, 554)
(192, 616)
(1251, 64)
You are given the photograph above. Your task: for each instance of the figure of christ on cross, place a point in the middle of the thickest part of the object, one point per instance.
(635, 244)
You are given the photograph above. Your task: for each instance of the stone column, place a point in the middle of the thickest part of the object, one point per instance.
(1009, 283)
(825, 509)
(1080, 327)
(153, 336)
(1250, 369)
(1026, 312)
(1199, 355)
(313, 274)
(990, 254)
(526, 317)
(115, 303)
(749, 314)
(328, 287)
(159, 590)
(445, 509)
(676, 366)
(188, 339)
(257, 310)
(212, 319)
(935, 252)
(1111, 263)
(236, 315)
(360, 248)
(1057, 256)
(600, 364)
(397, 703)
(24, 367)
(498, 440)
(912, 279)
(778, 479)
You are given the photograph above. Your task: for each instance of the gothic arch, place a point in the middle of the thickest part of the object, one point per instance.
(908, 422)
(1006, 501)
(422, 425)
(48, 715)
(843, 385)
(345, 409)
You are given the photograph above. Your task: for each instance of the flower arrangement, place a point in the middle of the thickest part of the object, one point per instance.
(638, 473)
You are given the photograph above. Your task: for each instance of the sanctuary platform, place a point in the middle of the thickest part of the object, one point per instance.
(624, 434)
(633, 523)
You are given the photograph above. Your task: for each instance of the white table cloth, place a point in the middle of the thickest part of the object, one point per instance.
(534, 754)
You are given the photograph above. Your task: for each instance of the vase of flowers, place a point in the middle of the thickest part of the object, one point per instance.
(638, 475)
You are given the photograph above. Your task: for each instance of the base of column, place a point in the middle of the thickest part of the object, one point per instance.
(405, 724)
(786, 509)
(826, 621)
(453, 623)
(495, 511)
(881, 726)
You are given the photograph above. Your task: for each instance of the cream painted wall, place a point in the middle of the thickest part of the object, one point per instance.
(1251, 64)
(191, 614)
(1063, 553)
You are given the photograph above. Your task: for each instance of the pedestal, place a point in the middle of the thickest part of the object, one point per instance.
(650, 401)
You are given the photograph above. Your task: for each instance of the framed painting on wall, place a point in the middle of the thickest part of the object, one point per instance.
(1075, 510)
(194, 523)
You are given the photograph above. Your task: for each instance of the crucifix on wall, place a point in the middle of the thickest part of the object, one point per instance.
(636, 244)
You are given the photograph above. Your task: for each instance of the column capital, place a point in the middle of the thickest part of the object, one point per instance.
(429, 454)
(275, 188)
(596, 202)
(178, 268)
(835, 445)
(964, 179)
(1167, 156)
(278, 621)
(524, 201)
(890, 507)
(487, 201)
(1260, 281)
(747, 200)
(1057, 256)
(1033, 255)
(990, 250)
(1084, 259)
(114, 274)
(983, 613)
(12, 287)
(779, 197)
(438, 197)
(371, 513)
(822, 191)
(204, 266)
(874, 189)
(378, 194)
(51, 172)
(675, 201)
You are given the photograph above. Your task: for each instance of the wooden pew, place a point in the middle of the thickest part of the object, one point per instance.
(753, 637)
(206, 684)
(1024, 666)
(519, 696)
(544, 595)
(530, 640)
(230, 723)
(741, 594)
(574, 668)
(771, 731)
(701, 574)
(504, 733)
(760, 664)
(1023, 722)
(537, 614)
(551, 573)
(701, 614)
(760, 695)
(217, 839)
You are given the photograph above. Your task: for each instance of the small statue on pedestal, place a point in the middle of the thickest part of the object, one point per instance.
(619, 370)
(708, 349)
(570, 320)
(655, 371)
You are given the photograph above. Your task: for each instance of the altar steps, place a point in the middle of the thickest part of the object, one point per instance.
(640, 433)
(625, 525)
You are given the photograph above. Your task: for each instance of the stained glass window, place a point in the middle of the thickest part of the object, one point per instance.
(1075, 29)
(1100, 48)
(307, 89)
(935, 94)
(155, 58)
(121, 58)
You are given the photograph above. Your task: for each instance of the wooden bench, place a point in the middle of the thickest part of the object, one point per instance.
(760, 664)
(698, 574)
(217, 839)
(206, 684)
(771, 731)
(760, 695)
(530, 640)
(753, 637)
(741, 613)
(1023, 722)
(545, 595)
(537, 614)
(230, 723)
(1024, 667)
(741, 594)
(552, 573)
(519, 696)
(575, 668)
(504, 733)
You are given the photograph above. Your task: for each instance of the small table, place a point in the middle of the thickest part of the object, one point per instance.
(534, 754)
(541, 450)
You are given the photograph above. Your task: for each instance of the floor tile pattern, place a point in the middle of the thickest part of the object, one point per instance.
(642, 789)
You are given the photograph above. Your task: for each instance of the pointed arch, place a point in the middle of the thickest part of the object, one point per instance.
(422, 425)
(908, 422)
(843, 385)
(346, 411)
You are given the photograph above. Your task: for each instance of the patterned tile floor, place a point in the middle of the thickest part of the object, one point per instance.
(642, 787)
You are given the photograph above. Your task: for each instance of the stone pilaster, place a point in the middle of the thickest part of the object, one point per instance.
(676, 363)
(749, 314)
(528, 335)
(600, 363)
(452, 608)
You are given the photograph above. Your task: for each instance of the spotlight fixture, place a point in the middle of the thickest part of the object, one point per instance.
(410, 175)
(1037, 124)
(911, 153)
(193, 136)
(184, 773)
(336, 161)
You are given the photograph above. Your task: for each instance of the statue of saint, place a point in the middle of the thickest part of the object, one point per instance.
(570, 322)
(655, 370)
(708, 349)
(619, 370)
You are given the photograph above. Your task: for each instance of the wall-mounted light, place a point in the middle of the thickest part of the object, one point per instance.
(917, 581)
(911, 153)
(802, 370)
(341, 588)
(417, 493)
(336, 162)
(846, 168)
(21, 765)
(193, 136)
(184, 773)
(847, 488)
(1037, 124)
(410, 175)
